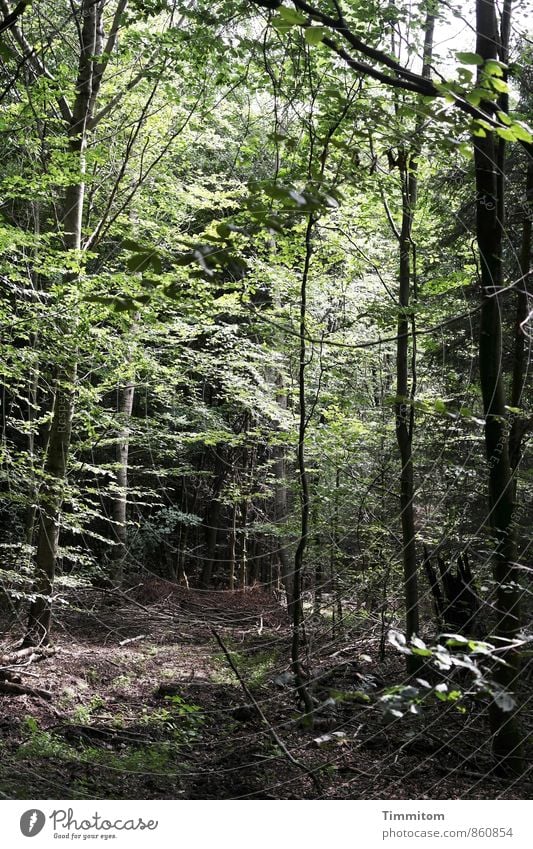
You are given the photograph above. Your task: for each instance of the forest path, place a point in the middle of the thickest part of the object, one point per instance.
(144, 705)
(142, 701)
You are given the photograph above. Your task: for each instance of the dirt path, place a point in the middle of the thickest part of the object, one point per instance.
(145, 706)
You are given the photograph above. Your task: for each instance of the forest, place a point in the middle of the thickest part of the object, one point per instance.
(265, 348)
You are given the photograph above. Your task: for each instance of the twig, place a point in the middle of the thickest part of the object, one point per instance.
(11, 688)
(132, 640)
(33, 653)
(272, 731)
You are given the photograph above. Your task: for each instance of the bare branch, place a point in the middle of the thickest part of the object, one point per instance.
(115, 100)
(258, 709)
(11, 18)
(30, 55)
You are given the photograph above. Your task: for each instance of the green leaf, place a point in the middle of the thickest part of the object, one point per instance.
(470, 58)
(506, 133)
(124, 304)
(223, 230)
(504, 118)
(465, 75)
(280, 25)
(494, 68)
(143, 261)
(475, 96)
(499, 85)
(132, 245)
(291, 16)
(139, 262)
(421, 652)
(314, 35)
(522, 132)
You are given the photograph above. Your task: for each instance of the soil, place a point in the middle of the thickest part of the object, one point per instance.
(145, 706)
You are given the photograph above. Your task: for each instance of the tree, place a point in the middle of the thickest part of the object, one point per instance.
(489, 233)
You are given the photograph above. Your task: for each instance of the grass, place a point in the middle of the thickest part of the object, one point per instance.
(255, 667)
(108, 771)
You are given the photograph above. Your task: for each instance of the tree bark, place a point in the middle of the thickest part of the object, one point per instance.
(56, 459)
(297, 612)
(519, 424)
(507, 736)
(405, 387)
(212, 523)
(120, 502)
(405, 417)
(281, 510)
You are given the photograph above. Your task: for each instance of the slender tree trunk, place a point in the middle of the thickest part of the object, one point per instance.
(212, 524)
(120, 502)
(405, 419)
(520, 354)
(405, 385)
(319, 573)
(29, 523)
(243, 559)
(233, 547)
(297, 612)
(248, 474)
(505, 728)
(335, 559)
(55, 466)
(33, 395)
(281, 510)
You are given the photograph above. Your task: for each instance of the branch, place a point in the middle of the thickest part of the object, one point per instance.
(115, 26)
(11, 688)
(109, 45)
(369, 71)
(33, 653)
(405, 79)
(11, 18)
(115, 100)
(272, 731)
(339, 25)
(30, 54)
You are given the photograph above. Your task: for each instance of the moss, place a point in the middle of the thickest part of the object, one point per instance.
(255, 667)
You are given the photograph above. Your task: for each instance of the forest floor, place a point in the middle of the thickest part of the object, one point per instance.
(144, 705)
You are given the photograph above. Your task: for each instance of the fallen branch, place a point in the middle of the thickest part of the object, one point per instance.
(101, 733)
(132, 640)
(272, 731)
(32, 652)
(13, 689)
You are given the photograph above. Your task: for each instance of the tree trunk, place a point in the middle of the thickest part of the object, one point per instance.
(281, 511)
(335, 559)
(404, 425)
(120, 502)
(318, 544)
(243, 558)
(520, 360)
(55, 465)
(505, 728)
(297, 612)
(212, 523)
(233, 547)
(405, 388)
